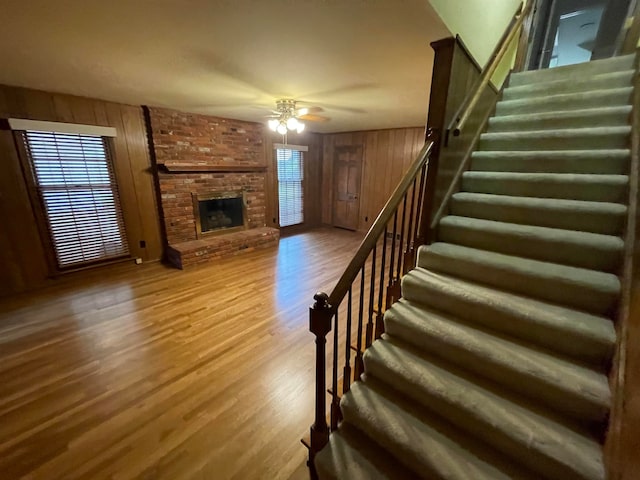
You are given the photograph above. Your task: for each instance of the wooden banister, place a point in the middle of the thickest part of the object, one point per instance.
(379, 225)
(473, 97)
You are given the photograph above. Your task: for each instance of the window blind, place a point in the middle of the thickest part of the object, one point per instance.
(76, 184)
(290, 192)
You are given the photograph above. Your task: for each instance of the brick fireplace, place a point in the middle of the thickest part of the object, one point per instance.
(202, 157)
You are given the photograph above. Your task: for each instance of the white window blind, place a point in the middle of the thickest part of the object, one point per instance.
(290, 194)
(75, 180)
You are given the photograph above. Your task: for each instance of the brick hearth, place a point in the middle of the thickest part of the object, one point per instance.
(185, 142)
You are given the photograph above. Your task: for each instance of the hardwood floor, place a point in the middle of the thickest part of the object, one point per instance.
(154, 373)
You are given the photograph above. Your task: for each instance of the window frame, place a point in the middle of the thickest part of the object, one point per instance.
(301, 150)
(40, 210)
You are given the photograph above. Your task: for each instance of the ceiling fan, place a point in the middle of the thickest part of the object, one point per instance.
(286, 117)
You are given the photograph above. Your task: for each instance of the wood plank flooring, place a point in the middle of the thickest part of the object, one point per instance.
(154, 373)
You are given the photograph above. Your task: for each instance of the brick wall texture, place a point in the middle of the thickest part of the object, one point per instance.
(186, 138)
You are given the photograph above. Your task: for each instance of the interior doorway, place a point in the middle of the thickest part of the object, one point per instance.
(567, 32)
(347, 168)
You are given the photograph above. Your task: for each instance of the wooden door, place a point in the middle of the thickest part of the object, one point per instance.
(347, 172)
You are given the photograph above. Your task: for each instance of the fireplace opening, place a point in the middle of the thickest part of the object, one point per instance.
(219, 213)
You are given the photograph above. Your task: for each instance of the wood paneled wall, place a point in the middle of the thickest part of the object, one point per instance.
(387, 155)
(312, 177)
(22, 253)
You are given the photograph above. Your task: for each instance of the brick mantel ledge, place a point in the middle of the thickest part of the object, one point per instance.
(184, 167)
(194, 252)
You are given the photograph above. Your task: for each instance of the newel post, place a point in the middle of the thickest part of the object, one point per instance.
(320, 315)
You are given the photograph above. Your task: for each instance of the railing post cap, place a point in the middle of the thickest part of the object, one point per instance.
(322, 300)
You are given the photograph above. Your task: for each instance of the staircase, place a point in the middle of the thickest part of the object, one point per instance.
(494, 363)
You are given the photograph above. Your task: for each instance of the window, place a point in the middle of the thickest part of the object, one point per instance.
(290, 192)
(75, 181)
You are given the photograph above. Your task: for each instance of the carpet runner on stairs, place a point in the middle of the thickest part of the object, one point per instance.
(494, 363)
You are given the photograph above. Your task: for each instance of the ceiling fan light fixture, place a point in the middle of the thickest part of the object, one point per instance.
(273, 124)
(281, 128)
(287, 117)
(292, 123)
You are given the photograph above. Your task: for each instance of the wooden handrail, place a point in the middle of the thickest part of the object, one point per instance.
(632, 34)
(473, 97)
(463, 167)
(376, 230)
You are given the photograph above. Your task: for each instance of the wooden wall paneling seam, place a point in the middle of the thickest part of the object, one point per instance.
(40, 105)
(100, 112)
(379, 179)
(144, 187)
(327, 179)
(271, 182)
(4, 109)
(365, 185)
(15, 101)
(36, 204)
(124, 177)
(63, 110)
(386, 162)
(25, 253)
(148, 129)
(83, 111)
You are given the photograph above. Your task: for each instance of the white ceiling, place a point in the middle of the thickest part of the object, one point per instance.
(367, 63)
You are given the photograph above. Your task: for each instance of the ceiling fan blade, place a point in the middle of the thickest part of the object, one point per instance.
(308, 110)
(314, 118)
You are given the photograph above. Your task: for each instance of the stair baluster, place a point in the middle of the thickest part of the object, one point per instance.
(372, 292)
(407, 260)
(359, 367)
(346, 375)
(379, 313)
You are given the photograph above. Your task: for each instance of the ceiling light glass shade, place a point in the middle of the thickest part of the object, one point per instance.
(282, 128)
(273, 124)
(292, 123)
(300, 127)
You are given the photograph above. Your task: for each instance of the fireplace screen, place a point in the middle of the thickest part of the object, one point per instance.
(219, 212)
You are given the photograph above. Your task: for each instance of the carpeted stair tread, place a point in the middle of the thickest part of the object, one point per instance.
(584, 186)
(351, 455)
(534, 321)
(560, 139)
(566, 101)
(613, 162)
(616, 79)
(585, 118)
(596, 67)
(577, 390)
(420, 440)
(596, 217)
(504, 422)
(568, 247)
(592, 291)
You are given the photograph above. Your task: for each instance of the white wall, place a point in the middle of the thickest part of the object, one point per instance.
(480, 23)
